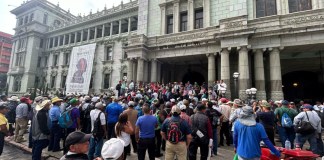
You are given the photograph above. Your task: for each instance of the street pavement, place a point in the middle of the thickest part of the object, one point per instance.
(224, 153)
(11, 152)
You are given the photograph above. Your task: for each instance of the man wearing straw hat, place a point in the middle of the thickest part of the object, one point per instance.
(56, 130)
(40, 129)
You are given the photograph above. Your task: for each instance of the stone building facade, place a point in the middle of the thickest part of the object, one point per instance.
(174, 40)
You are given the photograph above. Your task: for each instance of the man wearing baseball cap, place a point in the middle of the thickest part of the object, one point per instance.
(285, 132)
(180, 148)
(78, 144)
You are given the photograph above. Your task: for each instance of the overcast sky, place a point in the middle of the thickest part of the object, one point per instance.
(8, 20)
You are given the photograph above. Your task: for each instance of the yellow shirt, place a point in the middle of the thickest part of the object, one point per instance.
(3, 120)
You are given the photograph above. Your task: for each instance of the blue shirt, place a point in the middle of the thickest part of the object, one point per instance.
(139, 111)
(54, 113)
(113, 111)
(184, 127)
(247, 140)
(146, 125)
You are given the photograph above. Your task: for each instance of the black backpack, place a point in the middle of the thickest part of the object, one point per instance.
(321, 115)
(97, 131)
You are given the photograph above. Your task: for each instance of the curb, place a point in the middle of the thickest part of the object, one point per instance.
(25, 148)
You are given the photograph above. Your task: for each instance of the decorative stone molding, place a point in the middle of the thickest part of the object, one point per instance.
(304, 19)
(64, 72)
(53, 73)
(123, 68)
(182, 37)
(107, 69)
(93, 72)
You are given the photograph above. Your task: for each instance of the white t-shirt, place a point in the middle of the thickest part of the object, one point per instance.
(94, 115)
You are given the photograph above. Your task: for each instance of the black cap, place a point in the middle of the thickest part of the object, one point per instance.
(201, 107)
(76, 137)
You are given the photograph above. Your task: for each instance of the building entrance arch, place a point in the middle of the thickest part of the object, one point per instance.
(192, 77)
(305, 85)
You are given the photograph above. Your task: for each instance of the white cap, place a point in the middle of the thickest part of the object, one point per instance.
(204, 99)
(172, 100)
(131, 103)
(183, 107)
(95, 99)
(112, 148)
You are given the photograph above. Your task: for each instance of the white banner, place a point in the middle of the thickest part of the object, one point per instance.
(80, 69)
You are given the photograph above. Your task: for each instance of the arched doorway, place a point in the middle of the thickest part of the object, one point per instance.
(302, 85)
(192, 77)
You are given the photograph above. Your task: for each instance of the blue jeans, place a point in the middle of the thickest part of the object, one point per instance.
(95, 147)
(55, 137)
(311, 138)
(320, 147)
(38, 146)
(215, 143)
(286, 133)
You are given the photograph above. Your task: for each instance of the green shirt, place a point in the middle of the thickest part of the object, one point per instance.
(284, 109)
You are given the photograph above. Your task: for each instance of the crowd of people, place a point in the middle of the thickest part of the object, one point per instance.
(176, 118)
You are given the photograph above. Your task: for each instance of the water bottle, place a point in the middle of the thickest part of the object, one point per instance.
(287, 145)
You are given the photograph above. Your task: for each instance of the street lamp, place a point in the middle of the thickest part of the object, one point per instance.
(222, 91)
(248, 93)
(253, 93)
(235, 76)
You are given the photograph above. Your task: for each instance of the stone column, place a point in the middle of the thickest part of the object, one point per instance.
(243, 68)
(225, 70)
(259, 75)
(176, 16)
(75, 37)
(275, 75)
(158, 72)
(191, 15)
(130, 70)
(129, 24)
(140, 70)
(81, 36)
(111, 28)
(103, 31)
(119, 26)
(88, 37)
(64, 36)
(95, 34)
(211, 68)
(146, 71)
(153, 70)
(206, 5)
(70, 38)
(163, 20)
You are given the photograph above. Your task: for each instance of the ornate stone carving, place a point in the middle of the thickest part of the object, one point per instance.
(64, 72)
(123, 68)
(107, 69)
(53, 73)
(93, 72)
(234, 24)
(304, 19)
(181, 38)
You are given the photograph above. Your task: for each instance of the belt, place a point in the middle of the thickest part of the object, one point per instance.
(54, 121)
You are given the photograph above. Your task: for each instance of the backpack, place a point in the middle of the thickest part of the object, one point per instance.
(168, 113)
(97, 131)
(65, 119)
(286, 120)
(321, 115)
(174, 132)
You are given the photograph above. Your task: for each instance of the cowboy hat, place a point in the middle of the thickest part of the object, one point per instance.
(56, 99)
(42, 105)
